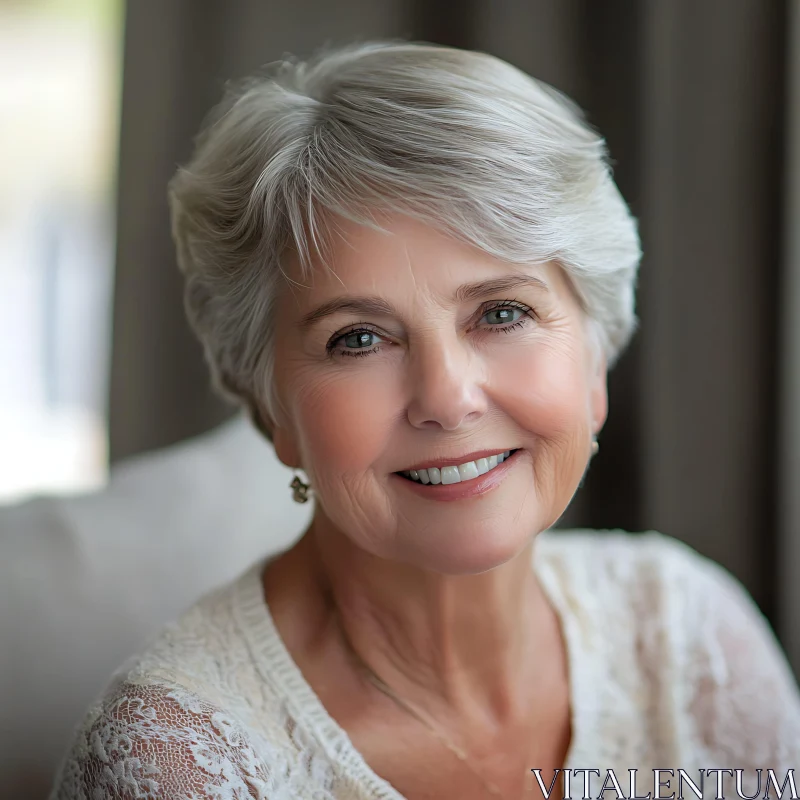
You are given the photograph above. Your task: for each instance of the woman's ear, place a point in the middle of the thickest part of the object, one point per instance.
(285, 447)
(281, 437)
(599, 392)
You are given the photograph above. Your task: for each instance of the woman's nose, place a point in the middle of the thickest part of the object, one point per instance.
(446, 389)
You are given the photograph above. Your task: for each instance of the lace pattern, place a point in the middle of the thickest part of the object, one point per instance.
(149, 742)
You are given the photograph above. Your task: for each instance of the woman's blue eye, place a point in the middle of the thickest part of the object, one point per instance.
(356, 340)
(503, 315)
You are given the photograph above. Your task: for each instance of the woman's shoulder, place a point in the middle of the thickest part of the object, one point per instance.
(204, 655)
(650, 585)
(622, 561)
(201, 645)
(193, 715)
(645, 578)
(612, 544)
(157, 739)
(695, 646)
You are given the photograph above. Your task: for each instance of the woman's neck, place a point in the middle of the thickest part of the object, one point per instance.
(473, 644)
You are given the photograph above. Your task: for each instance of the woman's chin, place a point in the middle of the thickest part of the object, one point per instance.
(467, 554)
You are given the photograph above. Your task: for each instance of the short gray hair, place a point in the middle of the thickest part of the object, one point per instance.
(495, 158)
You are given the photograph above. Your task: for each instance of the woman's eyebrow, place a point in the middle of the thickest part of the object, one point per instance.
(359, 305)
(474, 291)
(377, 305)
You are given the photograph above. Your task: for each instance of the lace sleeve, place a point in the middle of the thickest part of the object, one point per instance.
(744, 699)
(149, 742)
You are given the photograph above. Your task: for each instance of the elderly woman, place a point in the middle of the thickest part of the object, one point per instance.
(411, 265)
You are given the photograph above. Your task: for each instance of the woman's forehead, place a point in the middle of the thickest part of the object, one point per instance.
(410, 255)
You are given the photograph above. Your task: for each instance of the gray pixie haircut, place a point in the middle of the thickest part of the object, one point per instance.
(455, 138)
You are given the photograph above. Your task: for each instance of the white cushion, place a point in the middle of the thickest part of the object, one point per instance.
(86, 581)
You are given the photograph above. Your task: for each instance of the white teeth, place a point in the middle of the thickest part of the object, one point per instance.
(468, 471)
(450, 475)
(463, 472)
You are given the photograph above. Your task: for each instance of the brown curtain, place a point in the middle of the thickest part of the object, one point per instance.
(692, 98)
(788, 545)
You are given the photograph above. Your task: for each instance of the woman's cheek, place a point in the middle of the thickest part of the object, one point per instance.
(543, 387)
(345, 419)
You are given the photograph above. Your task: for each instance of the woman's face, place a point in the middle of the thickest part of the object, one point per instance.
(417, 351)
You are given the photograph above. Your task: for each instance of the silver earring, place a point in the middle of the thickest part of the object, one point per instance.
(300, 489)
(595, 447)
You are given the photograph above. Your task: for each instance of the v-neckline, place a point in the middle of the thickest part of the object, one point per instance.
(278, 669)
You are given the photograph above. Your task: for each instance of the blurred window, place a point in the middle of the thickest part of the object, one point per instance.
(60, 74)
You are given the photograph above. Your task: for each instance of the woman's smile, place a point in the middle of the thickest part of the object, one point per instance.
(457, 480)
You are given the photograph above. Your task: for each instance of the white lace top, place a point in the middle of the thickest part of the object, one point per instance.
(671, 666)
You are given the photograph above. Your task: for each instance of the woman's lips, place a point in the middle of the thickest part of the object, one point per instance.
(457, 471)
(454, 462)
(469, 487)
